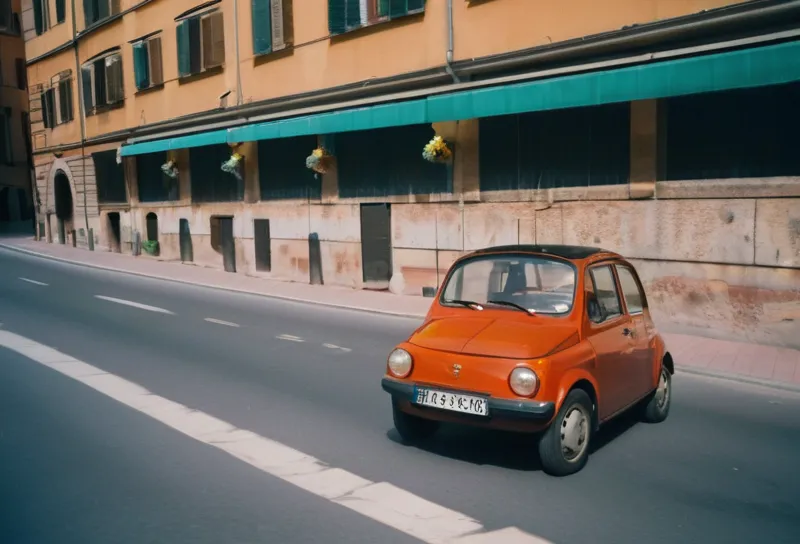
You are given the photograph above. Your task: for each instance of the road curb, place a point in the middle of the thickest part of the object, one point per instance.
(739, 378)
(210, 285)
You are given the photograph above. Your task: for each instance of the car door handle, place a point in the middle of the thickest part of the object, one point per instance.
(627, 332)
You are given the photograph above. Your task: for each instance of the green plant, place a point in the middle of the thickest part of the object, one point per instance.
(150, 247)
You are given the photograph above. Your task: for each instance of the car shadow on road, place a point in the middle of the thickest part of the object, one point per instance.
(513, 451)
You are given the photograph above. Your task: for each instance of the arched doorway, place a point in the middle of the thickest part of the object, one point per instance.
(64, 204)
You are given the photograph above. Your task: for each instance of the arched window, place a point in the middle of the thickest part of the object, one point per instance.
(152, 226)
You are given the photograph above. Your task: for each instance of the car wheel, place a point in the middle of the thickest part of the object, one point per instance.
(656, 409)
(564, 446)
(412, 429)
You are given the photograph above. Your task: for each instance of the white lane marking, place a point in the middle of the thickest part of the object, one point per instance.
(334, 346)
(290, 338)
(379, 501)
(220, 322)
(33, 281)
(134, 304)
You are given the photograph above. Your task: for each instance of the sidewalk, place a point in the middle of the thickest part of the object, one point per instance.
(752, 362)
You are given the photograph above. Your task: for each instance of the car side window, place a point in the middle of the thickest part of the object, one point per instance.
(605, 294)
(634, 298)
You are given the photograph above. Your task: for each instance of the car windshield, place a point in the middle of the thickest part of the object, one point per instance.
(537, 284)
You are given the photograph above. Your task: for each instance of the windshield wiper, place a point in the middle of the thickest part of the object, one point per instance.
(512, 305)
(467, 303)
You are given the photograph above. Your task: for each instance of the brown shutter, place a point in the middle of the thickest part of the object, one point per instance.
(114, 89)
(115, 6)
(276, 8)
(213, 38)
(156, 68)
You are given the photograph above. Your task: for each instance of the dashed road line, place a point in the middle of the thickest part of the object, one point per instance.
(379, 501)
(290, 338)
(221, 322)
(134, 304)
(34, 282)
(334, 346)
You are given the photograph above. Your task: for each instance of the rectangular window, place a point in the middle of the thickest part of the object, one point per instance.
(65, 109)
(605, 291)
(6, 151)
(102, 82)
(96, 10)
(634, 296)
(22, 74)
(346, 15)
(48, 108)
(110, 178)
(41, 16)
(5, 15)
(201, 43)
(154, 184)
(57, 107)
(147, 67)
(272, 25)
(61, 11)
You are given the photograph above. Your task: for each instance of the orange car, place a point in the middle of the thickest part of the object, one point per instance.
(553, 340)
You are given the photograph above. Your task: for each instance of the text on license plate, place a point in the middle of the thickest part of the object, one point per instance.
(455, 402)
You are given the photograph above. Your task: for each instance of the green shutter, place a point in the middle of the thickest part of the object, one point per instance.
(38, 18)
(398, 8)
(336, 16)
(384, 7)
(262, 26)
(353, 16)
(414, 5)
(140, 66)
(86, 82)
(102, 10)
(184, 49)
(89, 16)
(43, 102)
(61, 11)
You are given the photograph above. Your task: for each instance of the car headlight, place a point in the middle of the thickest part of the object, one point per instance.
(523, 381)
(400, 362)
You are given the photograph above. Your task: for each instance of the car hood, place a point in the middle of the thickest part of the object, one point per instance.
(491, 337)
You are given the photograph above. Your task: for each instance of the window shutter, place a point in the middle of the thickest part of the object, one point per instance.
(398, 8)
(115, 6)
(86, 84)
(336, 16)
(89, 15)
(43, 107)
(156, 67)
(414, 5)
(213, 40)
(383, 8)
(353, 13)
(61, 11)
(114, 86)
(66, 102)
(38, 17)
(140, 66)
(363, 12)
(262, 26)
(102, 9)
(99, 82)
(184, 52)
(50, 107)
(277, 24)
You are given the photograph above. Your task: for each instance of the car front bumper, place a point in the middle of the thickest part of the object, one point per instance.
(527, 410)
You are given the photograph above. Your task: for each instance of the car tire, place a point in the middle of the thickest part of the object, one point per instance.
(412, 429)
(564, 448)
(656, 407)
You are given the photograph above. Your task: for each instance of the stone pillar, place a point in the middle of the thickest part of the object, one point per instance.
(644, 148)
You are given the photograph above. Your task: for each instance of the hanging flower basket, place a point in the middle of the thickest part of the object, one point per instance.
(169, 169)
(437, 150)
(319, 161)
(231, 166)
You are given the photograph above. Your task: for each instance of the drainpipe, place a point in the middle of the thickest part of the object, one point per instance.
(82, 113)
(239, 94)
(448, 59)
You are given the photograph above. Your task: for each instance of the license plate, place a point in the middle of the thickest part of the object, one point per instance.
(455, 402)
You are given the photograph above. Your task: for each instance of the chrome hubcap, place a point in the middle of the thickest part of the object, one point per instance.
(662, 393)
(574, 434)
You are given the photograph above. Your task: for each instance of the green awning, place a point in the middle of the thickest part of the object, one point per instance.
(754, 67)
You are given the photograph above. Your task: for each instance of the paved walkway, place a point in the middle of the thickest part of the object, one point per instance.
(754, 362)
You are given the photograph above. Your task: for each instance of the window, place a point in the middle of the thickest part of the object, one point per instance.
(201, 43)
(41, 16)
(147, 67)
(346, 15)
(61, 11)
(97, 10)
(110, 178)
(603, 291)
(22, 74)
(102, 82)
(634, 297)
(540, 284)
(57, 107)
(272, 25)
(6, 16)
(6, 151)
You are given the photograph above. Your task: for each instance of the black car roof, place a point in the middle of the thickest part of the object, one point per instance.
(565, 252)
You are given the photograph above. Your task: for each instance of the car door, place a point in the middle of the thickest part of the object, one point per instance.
(608, 331)
(635, 304)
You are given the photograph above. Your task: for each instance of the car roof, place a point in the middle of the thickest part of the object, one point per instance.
(557, 250)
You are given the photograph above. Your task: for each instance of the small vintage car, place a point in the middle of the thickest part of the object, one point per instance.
(554, 340)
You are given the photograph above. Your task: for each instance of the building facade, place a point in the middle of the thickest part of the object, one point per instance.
(16, 200)
(662, 129)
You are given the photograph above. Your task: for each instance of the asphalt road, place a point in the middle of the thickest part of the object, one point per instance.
(78, 466)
